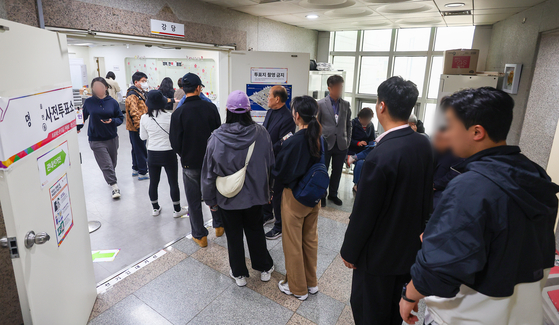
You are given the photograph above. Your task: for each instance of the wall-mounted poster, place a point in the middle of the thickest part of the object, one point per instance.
(157, 69)
(512, 78)
(258, 95)
(61, 208)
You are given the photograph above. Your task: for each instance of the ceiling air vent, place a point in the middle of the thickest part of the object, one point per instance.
(457, 13)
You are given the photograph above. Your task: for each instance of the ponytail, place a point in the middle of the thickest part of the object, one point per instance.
(307, 108)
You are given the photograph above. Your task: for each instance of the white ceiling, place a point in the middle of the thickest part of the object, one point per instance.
(377, 14)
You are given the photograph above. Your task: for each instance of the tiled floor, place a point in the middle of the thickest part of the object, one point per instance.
(189, 284)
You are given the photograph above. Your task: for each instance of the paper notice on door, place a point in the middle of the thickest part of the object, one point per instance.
(61, 208)
(53, 163)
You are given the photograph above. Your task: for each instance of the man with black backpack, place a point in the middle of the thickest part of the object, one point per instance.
(393, 202)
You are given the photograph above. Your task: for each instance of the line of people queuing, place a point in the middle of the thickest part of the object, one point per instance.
(481, 256)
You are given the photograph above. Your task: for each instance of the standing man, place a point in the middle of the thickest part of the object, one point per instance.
(191, 126)
(334, 114)
(135, 108)
(490, 243)
(391, 207)
(279, 123)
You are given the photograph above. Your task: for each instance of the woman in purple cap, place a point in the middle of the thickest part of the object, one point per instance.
(235, 179)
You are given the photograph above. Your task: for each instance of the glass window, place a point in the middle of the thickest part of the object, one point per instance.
(346, 41)
(411, 68)
(449, 38)
(415, 39)
(429, 119)
(377, 40)
(373, 72)
(375, 119)
(435, 79)
(347, 64)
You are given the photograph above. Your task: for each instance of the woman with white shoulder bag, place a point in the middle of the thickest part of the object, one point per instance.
(236, 179)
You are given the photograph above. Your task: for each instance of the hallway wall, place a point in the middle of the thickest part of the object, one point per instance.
(515, 40)
(204, 22)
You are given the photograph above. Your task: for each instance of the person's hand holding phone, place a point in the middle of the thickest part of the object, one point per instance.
(362, 143)
(107, 121)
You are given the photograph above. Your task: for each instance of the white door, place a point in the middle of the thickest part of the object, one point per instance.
(41, 187)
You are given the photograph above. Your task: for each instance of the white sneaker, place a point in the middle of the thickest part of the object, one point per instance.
(284, 287)
(116, 193)
(266, 275)
(182, 212)
(156, 212)
(240, 280)
(313, 290)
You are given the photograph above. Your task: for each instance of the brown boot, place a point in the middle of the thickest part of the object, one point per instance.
(202, 242)
(219, 231)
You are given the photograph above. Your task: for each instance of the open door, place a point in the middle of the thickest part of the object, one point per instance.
(41, 187)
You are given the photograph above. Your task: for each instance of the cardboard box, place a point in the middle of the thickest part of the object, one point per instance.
(460, 61)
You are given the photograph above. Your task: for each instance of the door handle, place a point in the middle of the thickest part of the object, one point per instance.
(31, 238)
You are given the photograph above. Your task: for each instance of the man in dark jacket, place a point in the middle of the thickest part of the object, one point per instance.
(489, 243)
(191, 126)
(279, 123)
(392, 204)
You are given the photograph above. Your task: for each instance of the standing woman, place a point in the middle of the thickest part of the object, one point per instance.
(105, 116)
(166, 88)
(300, 238)
(114, 88)
(238, 143)
(179, 94)
(154, 127)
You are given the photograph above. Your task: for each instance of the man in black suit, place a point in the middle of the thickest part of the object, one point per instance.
(393, 202)
(279, 123)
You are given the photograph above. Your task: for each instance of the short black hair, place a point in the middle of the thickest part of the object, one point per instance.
(137, 76)
(111, 75)
(485, 106)
(399, 95)
(334, 80)
(280, 92)
(366, 112)
(189, 89)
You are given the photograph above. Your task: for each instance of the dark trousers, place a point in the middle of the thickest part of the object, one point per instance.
(275, 206)
(192, 186)
(375, 299)
(105, 153)
(338, 157)
(167, 160)
(250, 221)
(139, 153)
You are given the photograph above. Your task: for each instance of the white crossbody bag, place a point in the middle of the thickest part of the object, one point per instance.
(231, 185)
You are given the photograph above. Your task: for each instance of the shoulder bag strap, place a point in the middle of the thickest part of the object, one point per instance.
(153, 118)
(249, 154)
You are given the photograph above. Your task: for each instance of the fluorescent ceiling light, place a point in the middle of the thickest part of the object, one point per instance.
(455, 4)
(312, 16)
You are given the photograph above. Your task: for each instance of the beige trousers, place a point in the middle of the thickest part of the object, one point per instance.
(300, 243)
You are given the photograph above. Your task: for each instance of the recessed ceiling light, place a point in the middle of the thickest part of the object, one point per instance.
(455, 4)
(312, 16)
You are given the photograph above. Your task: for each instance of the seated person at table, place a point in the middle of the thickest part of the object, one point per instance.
(363, 131)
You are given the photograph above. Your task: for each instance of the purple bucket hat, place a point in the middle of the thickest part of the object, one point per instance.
(238, 102)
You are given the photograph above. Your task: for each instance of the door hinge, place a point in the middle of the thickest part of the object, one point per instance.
(11, 244)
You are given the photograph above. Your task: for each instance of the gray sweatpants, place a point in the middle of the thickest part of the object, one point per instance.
(105, 153)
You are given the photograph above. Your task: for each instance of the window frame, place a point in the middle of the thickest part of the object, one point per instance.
(357, 97)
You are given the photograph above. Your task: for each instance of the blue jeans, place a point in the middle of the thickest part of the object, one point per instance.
(192, 186)
(139, 153)
(359, 164)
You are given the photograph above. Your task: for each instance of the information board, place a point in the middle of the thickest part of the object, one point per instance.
(61, 208)
(258, 95)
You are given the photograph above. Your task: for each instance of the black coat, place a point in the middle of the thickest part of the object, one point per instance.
(393, 202)
(358, 134)
(191, 126)
(279, 122)
(443, 173)
(493, 228)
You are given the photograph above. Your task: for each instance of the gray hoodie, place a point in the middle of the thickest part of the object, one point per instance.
(225, 155)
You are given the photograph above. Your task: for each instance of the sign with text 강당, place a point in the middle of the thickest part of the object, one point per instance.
(167, 28)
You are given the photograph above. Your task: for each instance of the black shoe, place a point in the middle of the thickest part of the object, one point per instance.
(323, 202)
(273, 234)
(335, 199)
(269, 220)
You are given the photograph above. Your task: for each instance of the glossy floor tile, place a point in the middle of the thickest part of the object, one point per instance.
(130, 311)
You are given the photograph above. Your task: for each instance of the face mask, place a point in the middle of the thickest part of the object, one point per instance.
(145, 85)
